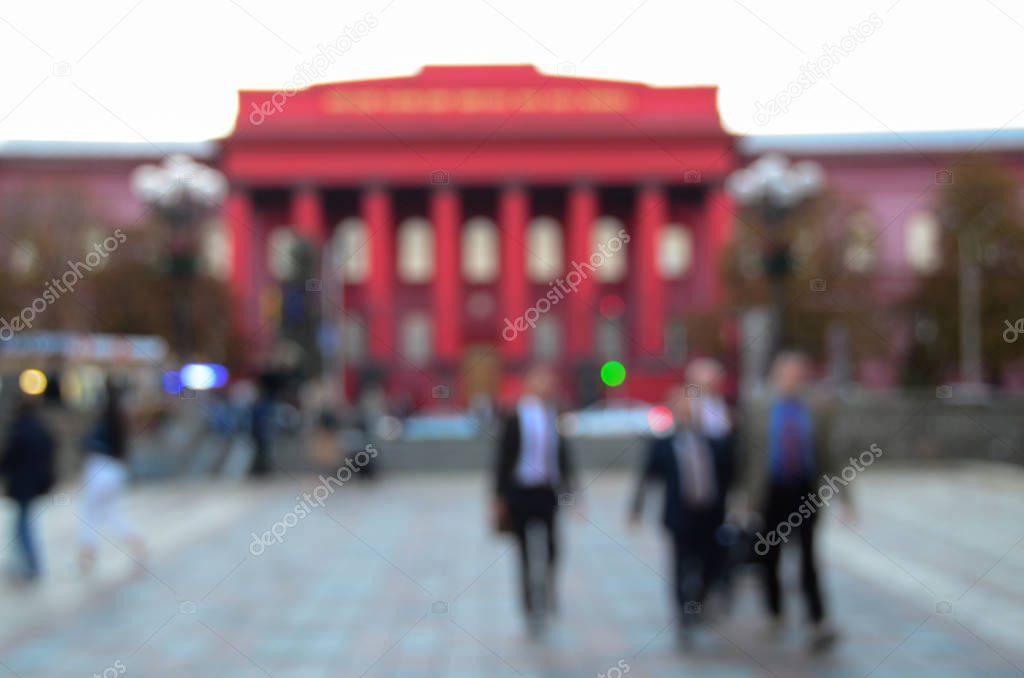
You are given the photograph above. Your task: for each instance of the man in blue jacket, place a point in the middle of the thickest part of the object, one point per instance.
(788, 463)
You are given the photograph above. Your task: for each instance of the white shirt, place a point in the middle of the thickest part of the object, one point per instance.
(696, 468)
(538, 445)
(713, 416)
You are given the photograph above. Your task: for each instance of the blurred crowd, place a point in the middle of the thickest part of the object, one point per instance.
(728, 477)
(250, 415)
(725, 485)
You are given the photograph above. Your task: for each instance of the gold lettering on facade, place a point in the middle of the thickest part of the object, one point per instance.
(478, 100)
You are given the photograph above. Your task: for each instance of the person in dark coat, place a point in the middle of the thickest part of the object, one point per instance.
(262, 429)
(29, 464)
(714, 419)
(683, 462)
(533, 475)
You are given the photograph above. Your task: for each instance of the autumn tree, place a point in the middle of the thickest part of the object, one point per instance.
(979, 211)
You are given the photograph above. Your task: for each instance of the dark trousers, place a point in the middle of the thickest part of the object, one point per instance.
(783, 502)
(723, 449)
(25, 538)
(693, 566)
(718, 567)
(533, 509)
(260, 456)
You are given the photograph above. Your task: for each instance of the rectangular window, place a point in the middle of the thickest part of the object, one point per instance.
(417, 339)
(610, 339)
(353, 338)
(675, 340)
(547, 338)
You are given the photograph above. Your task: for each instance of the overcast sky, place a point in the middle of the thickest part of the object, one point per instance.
(155, 70)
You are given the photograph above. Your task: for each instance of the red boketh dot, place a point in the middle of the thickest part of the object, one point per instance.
(659, 418)
(611, 306)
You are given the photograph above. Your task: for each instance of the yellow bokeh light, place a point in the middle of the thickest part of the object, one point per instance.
(32, 382)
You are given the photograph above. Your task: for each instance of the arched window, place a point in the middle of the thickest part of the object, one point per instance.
(547, 338)
(417, 338)
(609, 248)
(675, 251)
(804, 250)
(415, 250)
(610, 338)
(480, 250)
(90, 237)
(350, 250)
(675, 339)
(24, 258)
(922, 243)
(859, 255)
(215, 250)
(282, 253)
(544, 250)
(353, 338)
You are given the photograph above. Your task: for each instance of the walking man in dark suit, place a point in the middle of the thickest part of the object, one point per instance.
(713, 418)
(788, 463)
(684, 463)
(532, 470)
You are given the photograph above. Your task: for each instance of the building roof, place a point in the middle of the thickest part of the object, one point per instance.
(963, 141)
(103, 149)
(511, 101)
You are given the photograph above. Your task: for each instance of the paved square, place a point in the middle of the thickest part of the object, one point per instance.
(403, 578)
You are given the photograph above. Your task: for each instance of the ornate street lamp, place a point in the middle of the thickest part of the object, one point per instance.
(182, 193)
(774, 188)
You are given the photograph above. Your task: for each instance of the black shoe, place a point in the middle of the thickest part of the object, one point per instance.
(823, 637)
(685, 633)
(552, 606)
(535, 624)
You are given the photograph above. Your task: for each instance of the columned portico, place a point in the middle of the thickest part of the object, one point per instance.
(445, 213)
(238, 213)
(582, 212)
(378, 214)
(649, 298)
(719, 213)
(455, 145)
(307, 213)
(513, 207)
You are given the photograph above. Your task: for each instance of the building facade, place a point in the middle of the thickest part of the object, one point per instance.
(478, 213)
(468, 220)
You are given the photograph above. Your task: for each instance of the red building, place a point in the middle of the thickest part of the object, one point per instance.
(480, 217)
(489, 209)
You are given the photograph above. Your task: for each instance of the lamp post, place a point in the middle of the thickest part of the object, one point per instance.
(774, 188)
(182, 193)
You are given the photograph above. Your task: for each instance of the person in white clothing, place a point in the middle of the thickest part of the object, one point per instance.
(533, 476)
(105, 475)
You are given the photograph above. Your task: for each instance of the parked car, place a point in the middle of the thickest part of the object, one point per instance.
(440, 426)
(616, 418)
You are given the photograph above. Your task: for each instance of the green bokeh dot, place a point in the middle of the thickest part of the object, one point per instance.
(613, 373)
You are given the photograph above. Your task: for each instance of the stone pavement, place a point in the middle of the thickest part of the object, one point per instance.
(402, 578)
